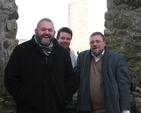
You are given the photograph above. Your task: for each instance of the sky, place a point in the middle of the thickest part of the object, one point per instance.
(31, 11)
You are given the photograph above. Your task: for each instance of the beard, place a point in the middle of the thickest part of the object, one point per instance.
(98, 52)
(43, 43)
(44, 40)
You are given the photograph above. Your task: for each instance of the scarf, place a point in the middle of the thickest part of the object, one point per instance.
(46, 49)
(69, 49)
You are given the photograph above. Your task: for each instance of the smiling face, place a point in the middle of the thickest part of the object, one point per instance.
(65, 39)
(97, 44)
(45, 32)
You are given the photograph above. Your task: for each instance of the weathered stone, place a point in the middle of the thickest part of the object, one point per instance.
(117, 2)
(1, 22)
(135, 25)
(9, 44)
(8, 30)
(107, 32)
(14, 15)
(11, 29)
(123, 35)
(121, 23)
(110, 15)
(138, 105)
(133, 3)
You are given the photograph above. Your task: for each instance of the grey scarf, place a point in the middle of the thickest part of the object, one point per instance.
(46, 49)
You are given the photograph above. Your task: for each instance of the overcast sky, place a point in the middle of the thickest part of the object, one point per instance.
(31, 11)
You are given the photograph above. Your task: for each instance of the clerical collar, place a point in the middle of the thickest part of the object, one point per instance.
(97, 58)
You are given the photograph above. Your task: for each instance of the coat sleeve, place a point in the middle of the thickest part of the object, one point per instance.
(123, 80)
(12, 79)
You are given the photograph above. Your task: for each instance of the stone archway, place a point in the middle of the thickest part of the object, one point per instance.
(123, 35)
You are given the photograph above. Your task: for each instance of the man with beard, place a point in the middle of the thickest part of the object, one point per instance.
(39, 74)
(104, 79)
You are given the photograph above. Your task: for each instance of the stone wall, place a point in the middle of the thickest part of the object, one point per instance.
(123, 35)
(8, 30)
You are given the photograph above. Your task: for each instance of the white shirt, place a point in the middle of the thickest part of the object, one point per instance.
(73, 58)
(97, 58)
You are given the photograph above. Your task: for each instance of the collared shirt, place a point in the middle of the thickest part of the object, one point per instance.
(97, 58)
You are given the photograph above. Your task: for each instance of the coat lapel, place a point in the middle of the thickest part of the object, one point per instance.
(85, 85)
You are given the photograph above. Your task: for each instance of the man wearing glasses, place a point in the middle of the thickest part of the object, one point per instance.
(104, 79)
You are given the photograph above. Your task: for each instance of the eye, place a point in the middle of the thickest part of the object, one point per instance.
(96, 41)
(62, 38)
(50, 30)
(68, 38)
(43, 29)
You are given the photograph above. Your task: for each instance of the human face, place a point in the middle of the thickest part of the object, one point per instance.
(97, 44)
(45, 32)
(64, 39)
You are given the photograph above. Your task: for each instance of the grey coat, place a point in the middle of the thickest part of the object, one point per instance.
(119, 79)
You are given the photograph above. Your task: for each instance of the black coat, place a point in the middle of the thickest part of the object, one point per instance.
(40, 84)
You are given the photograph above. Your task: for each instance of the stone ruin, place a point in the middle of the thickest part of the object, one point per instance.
(123, 35)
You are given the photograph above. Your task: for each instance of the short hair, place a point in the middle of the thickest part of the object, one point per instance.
(44, 19)
(98, 33)
(64, 29)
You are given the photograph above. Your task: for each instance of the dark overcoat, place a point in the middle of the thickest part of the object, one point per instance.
(117, 71)
(40, 84)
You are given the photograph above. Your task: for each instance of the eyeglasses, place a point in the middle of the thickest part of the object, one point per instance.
(96, 41)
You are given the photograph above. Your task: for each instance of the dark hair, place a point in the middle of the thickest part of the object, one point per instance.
(97, 33)
(44, 19)
(64, 29)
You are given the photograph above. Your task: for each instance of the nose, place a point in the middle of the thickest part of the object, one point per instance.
(46, 31)
(95, 43)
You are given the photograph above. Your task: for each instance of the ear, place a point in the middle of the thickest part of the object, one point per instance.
(35, 31)
(105, 43)
(54, 32)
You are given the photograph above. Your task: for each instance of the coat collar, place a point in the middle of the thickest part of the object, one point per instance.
(55, 49)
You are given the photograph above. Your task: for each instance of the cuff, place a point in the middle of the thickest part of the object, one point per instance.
(125, 111)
